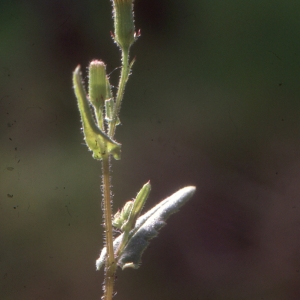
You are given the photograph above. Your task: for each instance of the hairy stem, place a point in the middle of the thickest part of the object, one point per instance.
(110, 268)
(122, 83)
(111, 265)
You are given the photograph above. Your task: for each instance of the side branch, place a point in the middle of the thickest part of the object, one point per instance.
(121, 88)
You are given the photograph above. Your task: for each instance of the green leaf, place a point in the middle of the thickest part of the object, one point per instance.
(146, 228)
(137, 207)
(97, 141)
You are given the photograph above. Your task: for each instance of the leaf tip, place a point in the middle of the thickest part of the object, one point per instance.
(77, 70)
(190, 189)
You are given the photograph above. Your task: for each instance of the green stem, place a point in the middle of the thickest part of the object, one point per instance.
(110, 267)
(122, 243)
(122, 83)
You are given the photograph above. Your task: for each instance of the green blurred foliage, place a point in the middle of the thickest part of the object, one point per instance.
(213, 101)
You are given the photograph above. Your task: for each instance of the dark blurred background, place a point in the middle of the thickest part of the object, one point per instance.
(213, 101)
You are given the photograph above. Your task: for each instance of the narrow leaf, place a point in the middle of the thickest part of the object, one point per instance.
(146, 228)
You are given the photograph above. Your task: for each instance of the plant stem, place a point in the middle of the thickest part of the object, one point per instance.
(111, 265)
(122, 243)
(123, 79)
(110, 268)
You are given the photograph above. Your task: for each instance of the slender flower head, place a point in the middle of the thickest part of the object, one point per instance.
(124, 34)
(97, 83)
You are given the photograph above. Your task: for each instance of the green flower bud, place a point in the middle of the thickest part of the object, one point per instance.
(137, 207)
(127, 209)
(121, 217)
(96, 139)
(124, 23)
(98, 89)
(97, 84)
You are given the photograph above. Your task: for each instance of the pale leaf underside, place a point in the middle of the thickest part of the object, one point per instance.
(146, 228)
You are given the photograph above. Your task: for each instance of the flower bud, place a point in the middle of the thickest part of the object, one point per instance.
(97, 84)
(124, 23)
(121, 217)
(137, 207)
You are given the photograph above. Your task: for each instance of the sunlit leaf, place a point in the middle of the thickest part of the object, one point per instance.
(97, 141)
(146, 228)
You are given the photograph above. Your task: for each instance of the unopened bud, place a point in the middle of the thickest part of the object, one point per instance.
(121, 217)
(97, 84)
(124, 23)
(137, 207)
